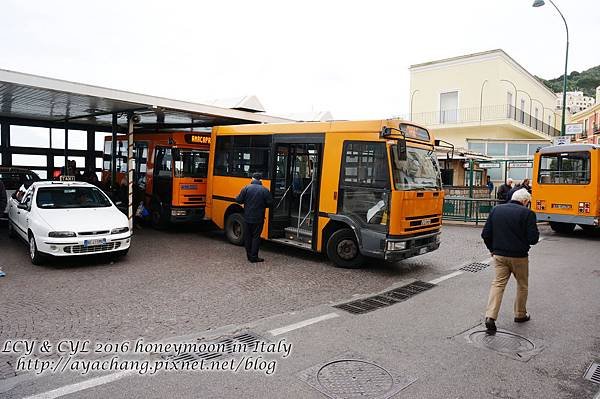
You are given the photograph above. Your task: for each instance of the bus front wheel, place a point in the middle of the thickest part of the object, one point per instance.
(562, 228)
(342, 249)
(234, 228)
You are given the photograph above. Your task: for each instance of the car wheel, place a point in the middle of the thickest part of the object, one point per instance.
(234, 229)
(34, 254)
(342, 249)
(11, 230)
(120, 254)
(562, 228)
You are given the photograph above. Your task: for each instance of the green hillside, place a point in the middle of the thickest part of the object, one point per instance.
(585, 81)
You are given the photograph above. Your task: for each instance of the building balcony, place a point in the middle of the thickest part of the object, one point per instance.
(486, 115)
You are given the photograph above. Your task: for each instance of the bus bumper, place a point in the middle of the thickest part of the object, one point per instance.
(397, 248)
(186, 214)
(551, 217)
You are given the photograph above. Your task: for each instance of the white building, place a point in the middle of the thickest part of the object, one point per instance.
(576, 101)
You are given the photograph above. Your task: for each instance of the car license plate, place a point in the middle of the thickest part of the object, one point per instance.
(423, 250)
(99, 241)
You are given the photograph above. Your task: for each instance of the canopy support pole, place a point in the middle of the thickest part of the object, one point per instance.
(130, 167)
(113, 154)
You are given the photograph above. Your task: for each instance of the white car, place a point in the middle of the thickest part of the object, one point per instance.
(67, 219)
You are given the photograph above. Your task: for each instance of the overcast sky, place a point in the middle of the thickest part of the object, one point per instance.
(348, 57)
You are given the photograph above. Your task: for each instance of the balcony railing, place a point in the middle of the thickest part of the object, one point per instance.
(484, 114)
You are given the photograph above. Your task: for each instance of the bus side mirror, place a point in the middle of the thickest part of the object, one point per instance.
(385, 131)
(402, 150)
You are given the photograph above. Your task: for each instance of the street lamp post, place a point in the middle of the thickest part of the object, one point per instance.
(539, 3)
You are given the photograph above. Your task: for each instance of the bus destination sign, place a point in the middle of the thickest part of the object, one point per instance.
(197, 139)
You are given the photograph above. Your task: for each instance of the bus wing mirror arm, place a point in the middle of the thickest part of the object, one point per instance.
(445, 144)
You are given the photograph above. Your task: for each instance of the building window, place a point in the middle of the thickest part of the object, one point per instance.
(496, 149)
(449, 107)
(477, 147)
(517, 149)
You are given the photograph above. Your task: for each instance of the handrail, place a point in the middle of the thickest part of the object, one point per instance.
(300, 206)
(284, 194)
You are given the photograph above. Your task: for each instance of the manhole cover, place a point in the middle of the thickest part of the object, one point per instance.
(593, 373)
(354, 379)
(506, 343)
(352, 376)
(474, 267)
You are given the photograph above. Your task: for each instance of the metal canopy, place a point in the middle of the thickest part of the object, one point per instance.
(36, 98)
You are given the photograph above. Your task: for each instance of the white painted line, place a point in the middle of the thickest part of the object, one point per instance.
(80, 386)
(308, 322)
(446, 277)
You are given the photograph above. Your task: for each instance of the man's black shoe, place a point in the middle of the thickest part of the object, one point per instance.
(490, 325)
(522, 319)
(257, 260)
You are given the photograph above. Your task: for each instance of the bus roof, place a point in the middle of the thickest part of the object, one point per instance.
(367, 126)
(568, 148)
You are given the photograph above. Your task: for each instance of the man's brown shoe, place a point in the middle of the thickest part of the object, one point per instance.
(522, 319)
(490, 325)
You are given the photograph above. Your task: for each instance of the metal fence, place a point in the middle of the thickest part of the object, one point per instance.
(467, 209)
(485, 114)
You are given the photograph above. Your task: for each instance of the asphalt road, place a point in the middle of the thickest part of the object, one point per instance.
(189, 284)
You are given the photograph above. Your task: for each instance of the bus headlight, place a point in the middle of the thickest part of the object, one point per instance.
(396, 245)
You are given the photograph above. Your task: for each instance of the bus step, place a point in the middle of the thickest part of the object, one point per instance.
(303, 235)
(292, 243)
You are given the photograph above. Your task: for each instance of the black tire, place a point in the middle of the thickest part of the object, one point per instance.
(342, 249)
(158, 218)
(234, 229)
(11, 230)
(562, 228)
(120, 254)
(36, 257)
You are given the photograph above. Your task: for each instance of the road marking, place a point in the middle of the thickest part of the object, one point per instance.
(308, 322)
(446, 277)
(80, 386)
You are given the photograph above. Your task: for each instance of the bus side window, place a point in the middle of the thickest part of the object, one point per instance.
(163, 162)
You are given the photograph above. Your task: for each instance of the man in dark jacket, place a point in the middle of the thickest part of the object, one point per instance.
(508, 233)
(504, 190)
(3, 198)
(255, 199)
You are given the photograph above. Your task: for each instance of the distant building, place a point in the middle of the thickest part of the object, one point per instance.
(489, 104)
(576, 101)
(590, 121)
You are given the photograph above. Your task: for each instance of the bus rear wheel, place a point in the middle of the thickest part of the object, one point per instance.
(234, 229)
(562, 228)
(342, 249)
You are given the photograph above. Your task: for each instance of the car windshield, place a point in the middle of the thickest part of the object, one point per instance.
(191, 164)
(418, 172)
(71, 197)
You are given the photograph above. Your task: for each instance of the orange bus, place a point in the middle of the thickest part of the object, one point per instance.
(348, 189)
(566, 192)
(170, 173)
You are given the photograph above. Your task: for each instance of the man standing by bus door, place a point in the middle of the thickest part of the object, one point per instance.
(255, 198)
(508, 233)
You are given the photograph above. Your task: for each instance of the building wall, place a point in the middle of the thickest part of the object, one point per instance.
(467, 76)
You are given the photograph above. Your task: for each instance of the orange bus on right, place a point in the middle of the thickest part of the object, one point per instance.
(566, 187)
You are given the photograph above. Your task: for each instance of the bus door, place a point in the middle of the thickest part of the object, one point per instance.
(162, 181)
(295, 189)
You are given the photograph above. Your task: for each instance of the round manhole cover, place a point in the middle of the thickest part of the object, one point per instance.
(351, 378)
(502, 342)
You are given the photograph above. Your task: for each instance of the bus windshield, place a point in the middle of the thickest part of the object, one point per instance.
(418, 172)
(71, 197)
(189, 163)
(565, 168)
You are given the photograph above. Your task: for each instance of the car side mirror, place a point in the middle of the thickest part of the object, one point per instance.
(21, 205)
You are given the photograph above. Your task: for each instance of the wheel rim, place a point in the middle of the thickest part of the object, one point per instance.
(31, 247)
(347, 249)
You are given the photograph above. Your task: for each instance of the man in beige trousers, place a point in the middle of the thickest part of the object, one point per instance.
(508, 233)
